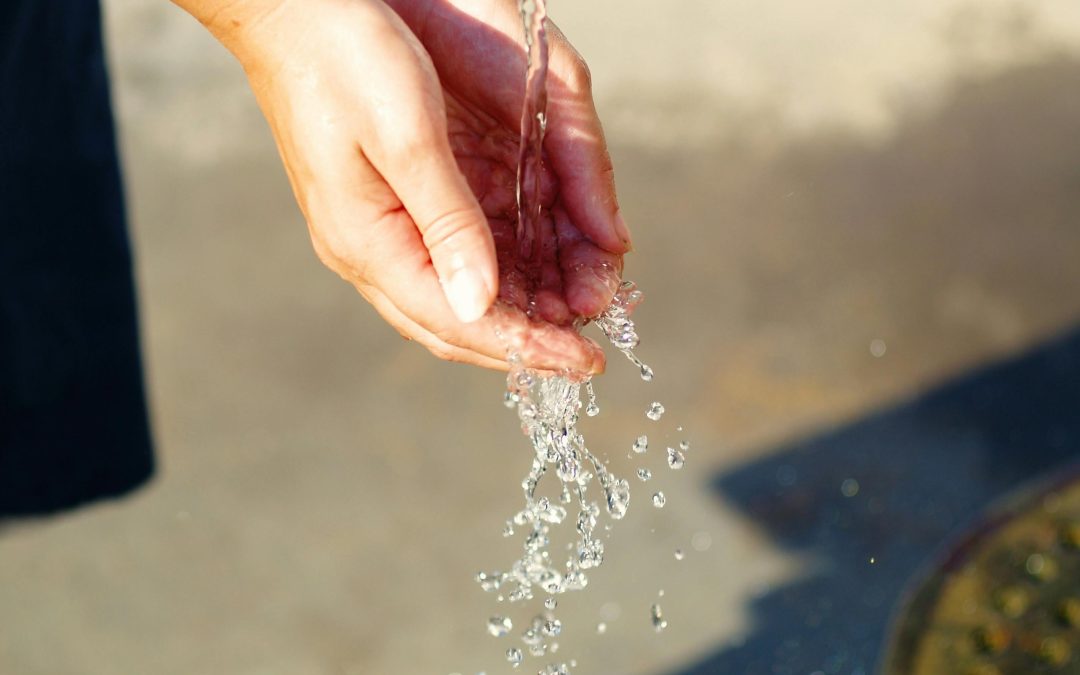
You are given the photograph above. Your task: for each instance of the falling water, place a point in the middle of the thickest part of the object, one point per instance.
(548, 408)
(533, 125)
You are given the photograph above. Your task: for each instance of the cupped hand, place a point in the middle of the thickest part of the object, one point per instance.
(398, 128)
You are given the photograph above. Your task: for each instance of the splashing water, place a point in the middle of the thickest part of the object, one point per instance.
(499, 626)
(514, 656)
(655, 411)
(675, 459)
(548, 409)
(657, 615)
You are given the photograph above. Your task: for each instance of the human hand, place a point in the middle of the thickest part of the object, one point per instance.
(405, 169)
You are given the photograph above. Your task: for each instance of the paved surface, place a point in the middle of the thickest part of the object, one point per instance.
(837, 211)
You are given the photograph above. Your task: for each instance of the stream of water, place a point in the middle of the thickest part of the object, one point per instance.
(548, 408)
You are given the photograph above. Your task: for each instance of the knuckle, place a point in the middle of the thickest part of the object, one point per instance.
(413, 146)
(580, 77)
(445, 334)
(342, 253)
(443, 351)
(448, 227)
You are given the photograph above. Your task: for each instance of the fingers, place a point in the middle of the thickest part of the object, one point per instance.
(542, 345)
(408, 145)
(486, 37)
(590, 274)
(414, 331)
(453, 228)
(577, 151)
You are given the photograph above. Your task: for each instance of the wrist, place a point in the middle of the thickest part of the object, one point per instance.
(251, 29)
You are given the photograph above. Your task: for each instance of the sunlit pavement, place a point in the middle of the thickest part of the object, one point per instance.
(852, 220)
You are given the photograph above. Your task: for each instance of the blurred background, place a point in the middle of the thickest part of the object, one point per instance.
(858, 231)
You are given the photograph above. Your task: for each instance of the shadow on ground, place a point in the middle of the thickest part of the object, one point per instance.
(868, 503)
(992, 178)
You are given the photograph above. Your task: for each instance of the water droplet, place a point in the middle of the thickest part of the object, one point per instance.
(657, 615)
(679, 555)
(514, 656)
(849, 488)
(658, 500)
(675, 458)
(592, 409)
(601, 628)
(644, 474)
(531, 636)
(488, 582)
(548, 408)
(499, 626)
(551, 581)
(786, 475)
(610, 611)
(618, 499)
(538, 649)
(519, 594)
(701, 541)
(655, 411)
(878, 348)
(684, 445)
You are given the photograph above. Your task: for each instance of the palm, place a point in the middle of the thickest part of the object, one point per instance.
(481, 72)
(379, 176)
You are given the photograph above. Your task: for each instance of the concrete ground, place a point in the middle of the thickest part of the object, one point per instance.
(845, 213)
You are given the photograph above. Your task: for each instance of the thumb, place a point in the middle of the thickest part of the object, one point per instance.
(425, 177)
(408, 144)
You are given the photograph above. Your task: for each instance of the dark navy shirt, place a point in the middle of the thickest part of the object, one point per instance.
(73, 421)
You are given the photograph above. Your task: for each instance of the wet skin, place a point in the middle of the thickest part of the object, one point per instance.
(398, 125)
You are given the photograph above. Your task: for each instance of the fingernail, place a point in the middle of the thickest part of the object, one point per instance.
(622, 231)
(598, 361)
(467, 294)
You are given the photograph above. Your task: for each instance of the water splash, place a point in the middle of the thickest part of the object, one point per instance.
(656, 614)
(591, 409)
(675, 459)
(499, 626)
(548, 409)
(514, 656)
(655, 411)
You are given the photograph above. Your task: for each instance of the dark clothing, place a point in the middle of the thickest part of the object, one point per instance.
(73, 421)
